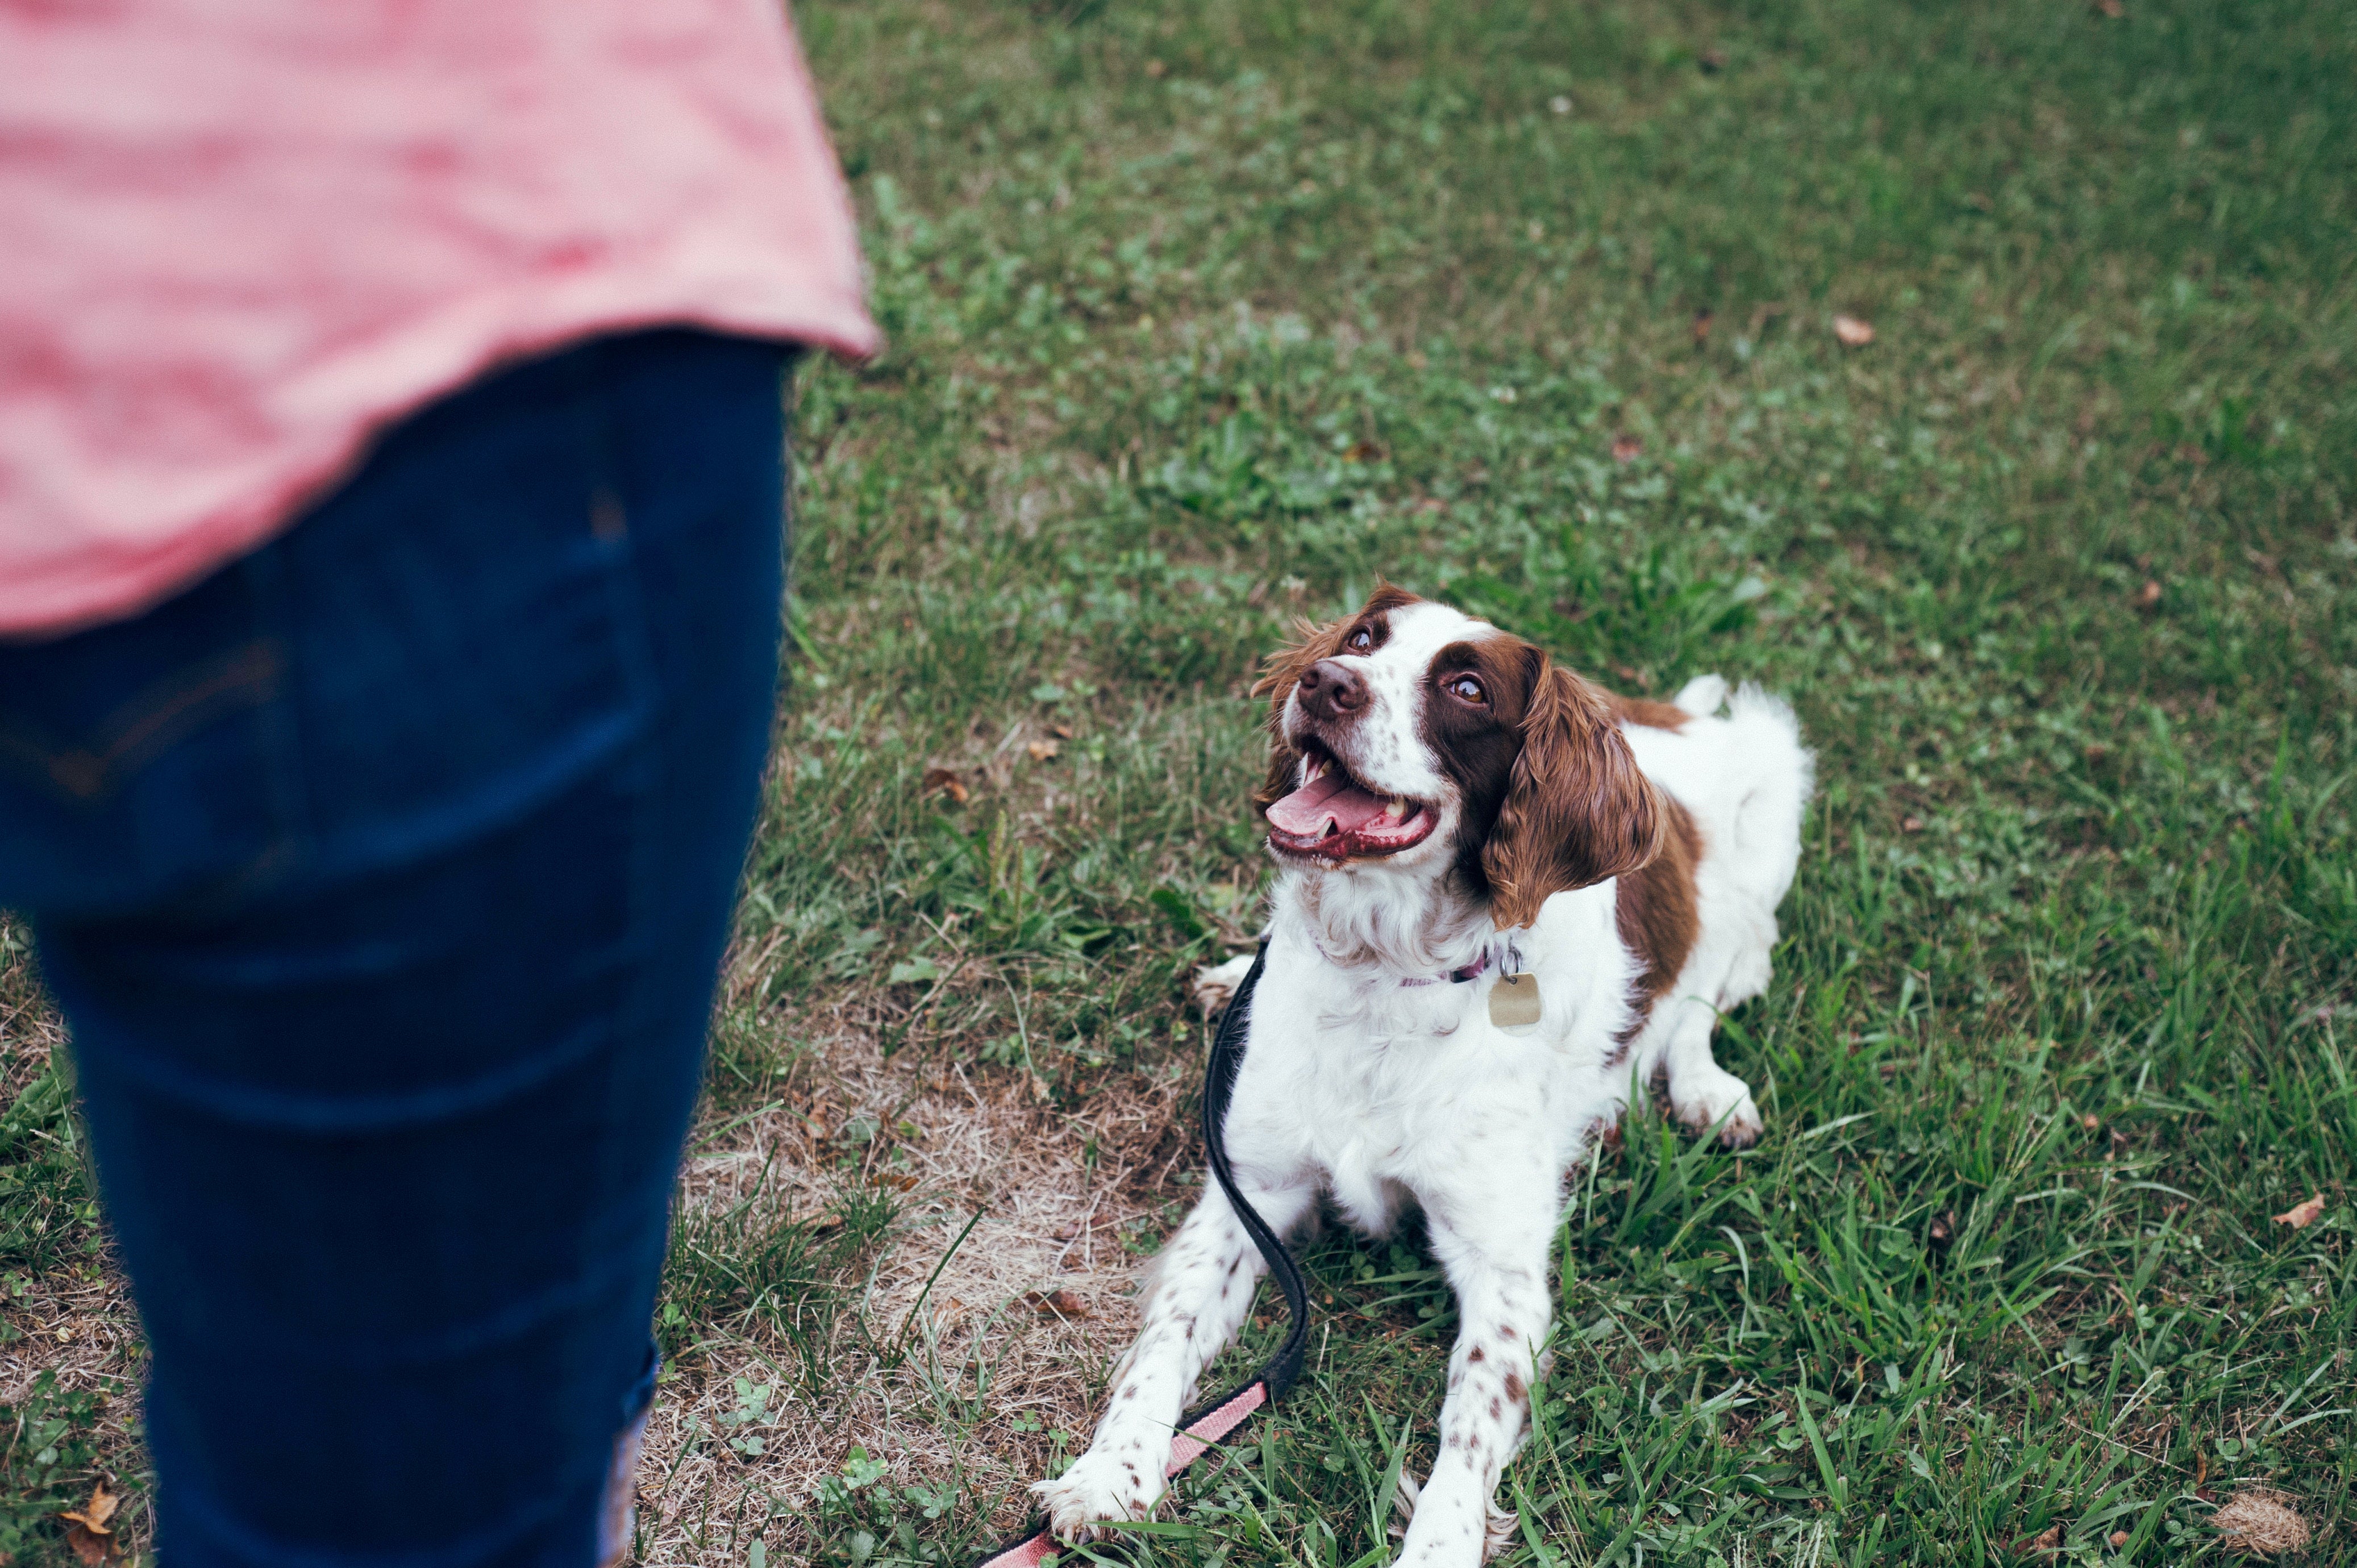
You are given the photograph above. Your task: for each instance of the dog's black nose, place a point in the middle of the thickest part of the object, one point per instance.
(1330, 689)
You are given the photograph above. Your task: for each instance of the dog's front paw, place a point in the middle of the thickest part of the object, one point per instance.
(1215, 984)
(1104, 1487)
(1704, 1095)
(1500, 1528)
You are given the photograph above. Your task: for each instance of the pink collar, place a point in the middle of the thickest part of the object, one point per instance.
(1471, 972)
(1474, 971)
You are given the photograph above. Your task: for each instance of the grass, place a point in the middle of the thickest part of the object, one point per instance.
(64, 1393)
(1206, 316)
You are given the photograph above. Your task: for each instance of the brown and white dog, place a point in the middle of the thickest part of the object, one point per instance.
(1446, 804)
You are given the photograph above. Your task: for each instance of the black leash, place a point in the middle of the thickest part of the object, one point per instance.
(1203, 1428)
(1281, 1369)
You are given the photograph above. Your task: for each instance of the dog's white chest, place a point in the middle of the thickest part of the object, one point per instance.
(1388, 1101)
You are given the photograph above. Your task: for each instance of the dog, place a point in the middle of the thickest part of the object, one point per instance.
(1459, 822)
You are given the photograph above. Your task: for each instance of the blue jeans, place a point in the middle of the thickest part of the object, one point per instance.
(382, 879)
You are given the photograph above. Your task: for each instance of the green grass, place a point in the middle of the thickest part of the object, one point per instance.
(56, 1437)
(1206, 316)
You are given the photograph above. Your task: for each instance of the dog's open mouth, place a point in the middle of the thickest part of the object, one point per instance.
(1335, 817)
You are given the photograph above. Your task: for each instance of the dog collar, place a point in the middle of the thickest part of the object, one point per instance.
(1474, 971)
(1459, 976)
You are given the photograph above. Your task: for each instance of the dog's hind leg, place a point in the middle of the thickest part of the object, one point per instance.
(1706, 1094)
(1202, 1288)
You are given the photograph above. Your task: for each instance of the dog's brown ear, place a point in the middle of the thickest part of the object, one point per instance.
(1576, 809)
(1282, 672)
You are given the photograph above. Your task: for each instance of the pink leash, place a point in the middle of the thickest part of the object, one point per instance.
(1204, 1430)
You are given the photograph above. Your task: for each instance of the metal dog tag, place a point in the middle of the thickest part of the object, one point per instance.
(1514, 1003)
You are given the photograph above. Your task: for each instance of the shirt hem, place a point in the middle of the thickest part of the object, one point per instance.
(277, 494)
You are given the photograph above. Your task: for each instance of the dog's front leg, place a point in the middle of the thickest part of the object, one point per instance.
(1202, 1289)
(1493, 1246)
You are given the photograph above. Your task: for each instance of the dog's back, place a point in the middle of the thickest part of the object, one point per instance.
(1745, 778)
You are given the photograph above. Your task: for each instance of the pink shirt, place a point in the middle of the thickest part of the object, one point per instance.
(237, 237)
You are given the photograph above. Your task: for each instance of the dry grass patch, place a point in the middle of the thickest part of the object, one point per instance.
(991, 1304)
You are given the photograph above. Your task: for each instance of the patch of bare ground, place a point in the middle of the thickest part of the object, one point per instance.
(971, 1358)
(79, 1323)
(81, 1326)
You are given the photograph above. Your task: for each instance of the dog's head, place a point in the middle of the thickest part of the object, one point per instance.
(1415, 738)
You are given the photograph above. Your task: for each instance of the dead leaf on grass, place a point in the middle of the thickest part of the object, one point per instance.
(2261, 1521)
(91, 1546)
(1625, 449)
(1062, 731)
(1702, 325)
(2112, 9)
(2047, 1540)
(2119, 1538)
(95, 1513)
(1364, 452)
(1857, 334)
(944, 781)
(1910, 824)
(1056, 1304)
(2148, 595)
(88, 1530)
(1043, 751)
(2300, 1216)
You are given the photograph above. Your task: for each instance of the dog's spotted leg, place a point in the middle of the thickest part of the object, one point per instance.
(1495, 1252)
(1202, 1289)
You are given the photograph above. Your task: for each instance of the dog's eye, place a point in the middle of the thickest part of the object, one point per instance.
(1361, 641)
(1467, 688)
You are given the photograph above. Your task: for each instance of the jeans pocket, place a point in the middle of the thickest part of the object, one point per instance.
(146, 762)
(89, 771)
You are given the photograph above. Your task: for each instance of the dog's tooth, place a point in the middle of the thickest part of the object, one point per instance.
(1317, 771)
(1396, 808)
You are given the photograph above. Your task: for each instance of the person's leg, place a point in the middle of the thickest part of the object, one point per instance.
(384, 879)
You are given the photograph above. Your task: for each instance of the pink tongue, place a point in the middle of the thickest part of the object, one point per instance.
(1306, 812)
